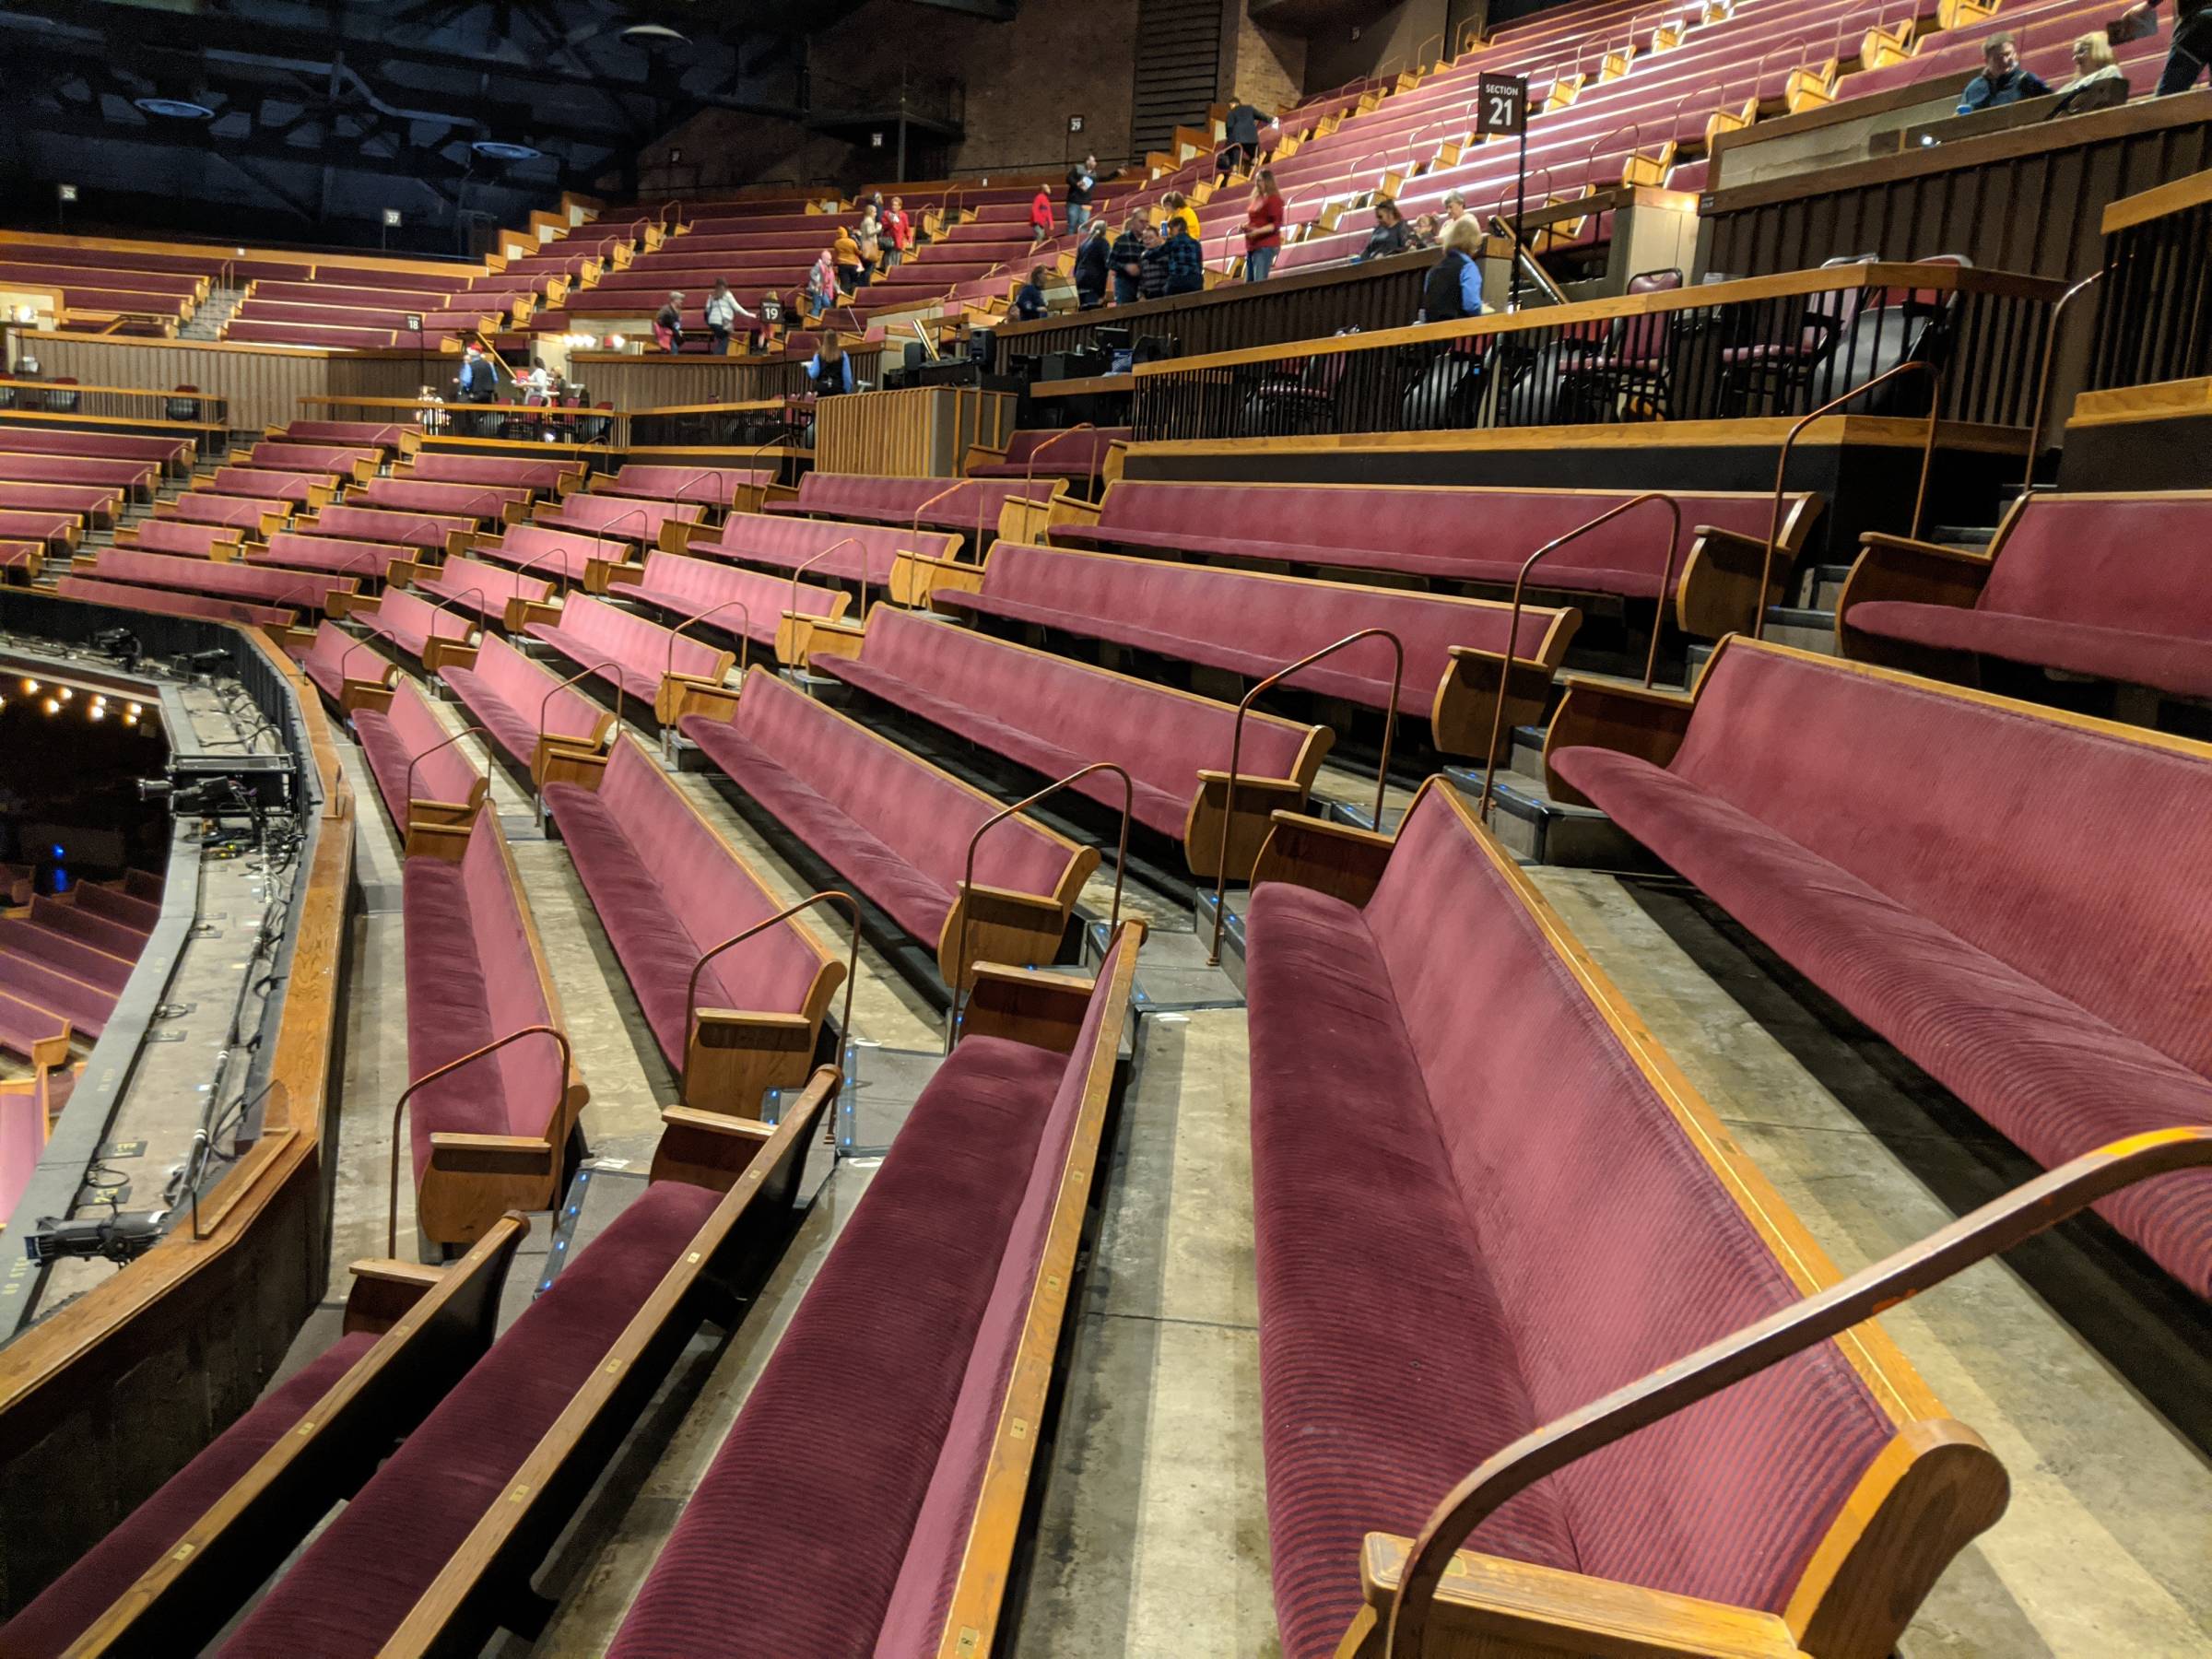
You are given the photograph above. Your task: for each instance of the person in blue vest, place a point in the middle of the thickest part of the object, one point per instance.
(479, 383)
(829, 371)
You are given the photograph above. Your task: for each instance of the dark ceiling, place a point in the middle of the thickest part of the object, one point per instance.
(322, 116)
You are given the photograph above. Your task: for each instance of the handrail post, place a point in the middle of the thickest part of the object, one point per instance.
(1029, 481)
(745, 642)
(1236, 747)
(1512, 629)
(443, 607)
(400, 1106)
(809, 564)
(1993, 1229)
(965, 896)
(2042, 379)
(415, 760)
(346, 656)
(1920, 500)
(537, 783)
(844, 1029)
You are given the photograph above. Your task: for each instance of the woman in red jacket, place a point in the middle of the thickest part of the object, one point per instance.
(1263, 226)
(1041, 218)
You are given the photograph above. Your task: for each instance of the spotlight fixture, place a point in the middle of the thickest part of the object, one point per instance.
(98, 711)
(66, 693)
(175, 108)
(31, 688)
(499, 149)
(52, 707)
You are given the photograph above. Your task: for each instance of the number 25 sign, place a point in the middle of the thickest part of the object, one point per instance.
(1501, 104)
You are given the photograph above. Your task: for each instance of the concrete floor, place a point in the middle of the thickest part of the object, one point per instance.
(1153, 1532)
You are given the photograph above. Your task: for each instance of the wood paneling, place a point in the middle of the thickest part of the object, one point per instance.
(921, 432)
(629, 381)
(263, 384)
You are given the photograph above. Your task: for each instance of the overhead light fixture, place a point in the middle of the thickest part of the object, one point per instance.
(52, 707)
(173, 108)
(499, 149)
(99, 712)
(655, 37)
(31, 688)
(66, 693)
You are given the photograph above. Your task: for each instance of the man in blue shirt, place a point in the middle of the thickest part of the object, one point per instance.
(2002, 80)
(1180, 258)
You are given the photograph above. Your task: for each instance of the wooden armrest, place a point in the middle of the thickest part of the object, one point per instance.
(457, 656)
(1717, 591)
(707, 1148)
(1206, 828)
(1465, 711)
(984, 453)
(1630, 718)
(490, 1154)
(446, 841)
(1045, 1010)
(362, 694)
(1882, 538)
(1332, 858)
(1003, 925)
(537, 610)
(558, 762)
(684, 694)
(383, 1290)
(835, 637)
(1487, 1604)
(1893, 568)
(599, 575)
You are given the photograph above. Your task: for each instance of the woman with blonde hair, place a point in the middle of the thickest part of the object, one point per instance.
(2097, 82)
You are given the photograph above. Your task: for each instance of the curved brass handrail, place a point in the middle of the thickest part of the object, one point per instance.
(745, 638)
(400, 1107)
(445, 608)
(537, 784)
(2042, 379)
(957, 484)
(1920, 499)
(1028, 479)
(605, 531)
(408, 797)
(1760, 73)
(1121, 862)
(1590, 156)
(530, 563)
(1236, 746)
(845, 1028)
(1512, 630)
(1419, 51)
(800, 570)
(346, 656)
(1992, 1230)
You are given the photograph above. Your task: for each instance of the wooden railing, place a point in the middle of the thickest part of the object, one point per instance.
(2155, 315)
(1769, 346)
(115, 403)
(440, 418)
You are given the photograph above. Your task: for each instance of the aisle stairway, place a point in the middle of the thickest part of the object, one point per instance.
(214, 313)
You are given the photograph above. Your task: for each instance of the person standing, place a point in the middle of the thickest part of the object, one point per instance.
(1453, 289)
(1091, 260)
(1263, 226)
(2002, 80)
(722, 312)
(1081, 179)
(1241, 136)
(669, 324)
(899, 233)
(479, 382)
(2192, 47)
(1040, 217)
(868, 239)
(1181, 259)
(845, 251)
(821, 283)
(1126, 259)
(1152, 284)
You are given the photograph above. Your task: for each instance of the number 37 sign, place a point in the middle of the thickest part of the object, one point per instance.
(1501, 104)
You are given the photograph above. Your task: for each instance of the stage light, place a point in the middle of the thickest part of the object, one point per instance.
(136, 710)
(31, 688)
(52, 707)
(99, 712)
(66, 692)
(130, 720)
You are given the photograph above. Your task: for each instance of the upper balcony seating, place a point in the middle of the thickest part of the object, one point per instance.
(26, 980)
(501, 504)
(95, 502)
(418, 626)
(546, 477)
(56, 532)
(133, 478)
(183, 1562)
(2108, 586)
(1581, 1219)
(717, 487)
(173, 455)
(967, 507)
(171, 604)
(389, 437)
(905, 1540)
(358, 462)
(1051, 715)
(15, 884)
(119, 936)
(338, 663)
(97, 966)
(423, 776)
(245, 331)
(252, 515)
(668, 888)
(301, 489)
(1072, 454)
(296, 551)
(434, 533)
(1915, 851)
(779, 543)
(654, 523)
(1254, 623)
(183, 539)
(256, 584)
(539, 551)
(22, 559)
(736, 601)
(33, 1034)
(491, 1135)
(514, 700)
(493, 592)
(1480, 536)
(117, 905)
(651, 663)
(896, 826)
(472, 1499)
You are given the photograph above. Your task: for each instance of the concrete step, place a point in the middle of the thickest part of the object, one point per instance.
(1962, 535)
(1806, 629)
(1535, 827)
(1824, 586)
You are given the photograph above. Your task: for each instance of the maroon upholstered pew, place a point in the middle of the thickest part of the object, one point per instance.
(182, 538)
(324, 336)
(298, 489)
(966, 507)
(1582, 1218)
(171, 454)
(655, 523)
(296, 551)
(36, 1034)
(22, 559)
(430, 531)
(179, 1566)
(252, 515)
(339, 664)
(168, 602)
(669, 889)
(1053, 455)
(651, 665)
(256, 584)
(546, 477)
(56, 532)
(100, 967)
(719, 487)
(360, 462)
(117, 905)
(2108, 586)
(519, 704)
(895, 825)
(736, 601)
(1915, 850)
(501, 504)
(1478, 537)
(85, 1006)
(825, 549)
(130, 478)
(414, 624)
(465, 1510)
(423, 777)
(904, 1538)
(540, 551)
(1254, 623)
(493, 592)
(493, 1134)
(388, 435)
(99, 503)
(1053, 715)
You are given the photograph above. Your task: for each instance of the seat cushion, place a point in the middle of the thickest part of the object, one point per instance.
(60, 1611)
(506, 724)
(793, 1541)
(449, 1010)
(358, 1580)
(2132, 657)
(910, 897)
(656, 952)
(2043, 1071)
(1380, 1389)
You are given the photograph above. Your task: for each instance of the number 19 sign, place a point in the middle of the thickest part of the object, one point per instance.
(1501, 104)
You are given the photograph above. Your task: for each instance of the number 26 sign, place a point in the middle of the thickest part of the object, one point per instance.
(1501, 104)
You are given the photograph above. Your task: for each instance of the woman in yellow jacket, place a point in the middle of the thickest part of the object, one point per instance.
(1177, 205)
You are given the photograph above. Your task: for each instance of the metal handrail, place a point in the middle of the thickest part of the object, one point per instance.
(915, 527)
(606, 531)
(525, 569)
(1512, 630)
(1760, 74)
(744, 637)
(1028, 478)
(1236, 746)
(1990, 1230)
(812, 559)
(1920, 499)
(443, 607)
(1590, 156)
(537, 783)
(2042, 379)
(415, 760)
(399, 1109)
(1121, 861)
(346, 656)
(844, 1026)
(1438, 38)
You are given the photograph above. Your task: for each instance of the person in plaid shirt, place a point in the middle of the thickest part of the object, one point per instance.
(1180, 260)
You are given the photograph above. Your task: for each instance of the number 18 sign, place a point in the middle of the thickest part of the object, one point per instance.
(1501, 104)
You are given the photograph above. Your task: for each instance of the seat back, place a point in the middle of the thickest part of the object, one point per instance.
(633, 641)
(540, 550)
(416, 617)
(530, 1073)
(523, 685)
(309, 457)
(717, 486)
(242, 513)
(627, 515)
(471, 581)
(292, 547)
(464, 501)
(1972, 811)
(405, 529)
(706, 583)
(2135, 562)
(486, 469)
(830, 492)
(178, 536)
(1545, 1120)
(924, 815)
(267, 584)
(441, 771)
(788, 542)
